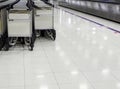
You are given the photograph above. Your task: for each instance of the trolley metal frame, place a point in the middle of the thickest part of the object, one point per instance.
(20, 26)
(3, 27)
(44, 18)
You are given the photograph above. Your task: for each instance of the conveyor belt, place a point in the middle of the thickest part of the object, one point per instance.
(108, 10)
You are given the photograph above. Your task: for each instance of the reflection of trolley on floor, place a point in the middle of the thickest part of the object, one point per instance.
(44, 18)
(20, 25)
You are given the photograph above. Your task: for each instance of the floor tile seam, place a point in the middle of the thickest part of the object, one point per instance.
(99, 65)
(91, 83)
(44, 73)
(81, 73)
(111, 73)
(51, 68)
(115, 77)
(11, 86)
(24, 69)
(84, 76)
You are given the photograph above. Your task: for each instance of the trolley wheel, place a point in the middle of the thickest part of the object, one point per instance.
(27, 41)
(6, 48)
(1, 44)
(31, 47)
(13, 41)
(22, 41)
(42, 33)
(38, 33)
(54, 34)
(51, 33)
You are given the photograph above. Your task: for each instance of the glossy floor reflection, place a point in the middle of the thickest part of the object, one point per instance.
(84, 56)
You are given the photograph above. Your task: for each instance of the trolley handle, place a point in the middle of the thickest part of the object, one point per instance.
(46, 2)
(3, 1)
(7, 4)
(29, 4)
(35, 6)
(11, 5)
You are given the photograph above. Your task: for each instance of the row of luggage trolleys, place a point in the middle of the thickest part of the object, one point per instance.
(25, 22)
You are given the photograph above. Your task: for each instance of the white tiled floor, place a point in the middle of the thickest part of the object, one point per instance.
(84, 56)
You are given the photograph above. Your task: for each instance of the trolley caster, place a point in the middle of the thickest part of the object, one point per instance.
(30, 48)
(29, 42)
(38, 33)
(13, 41)
(10, 42)
(54, 34)
(6, 48)
(0, 44)
(0, 48)
(42, 33)
(51, 33)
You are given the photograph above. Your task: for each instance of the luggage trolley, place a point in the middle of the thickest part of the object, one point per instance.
(44, 18)
(3, 29)
(20, 25)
